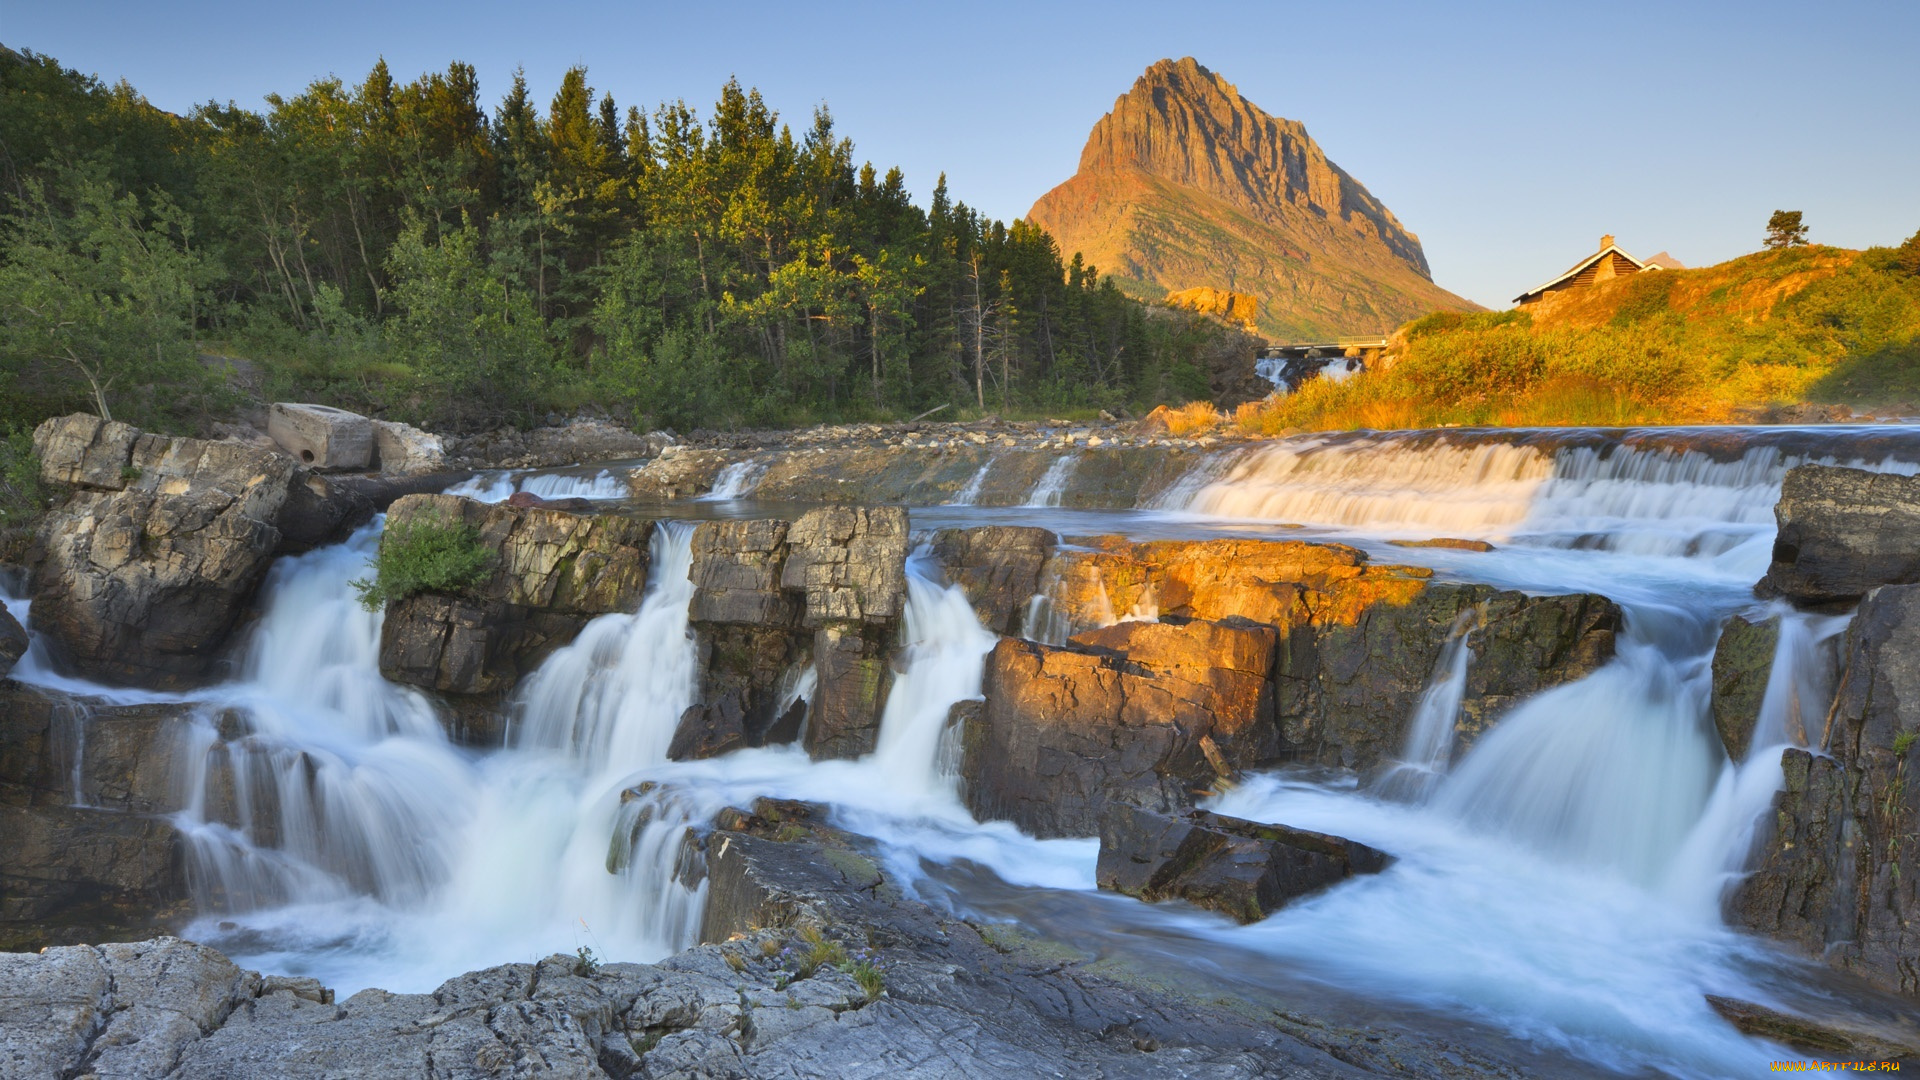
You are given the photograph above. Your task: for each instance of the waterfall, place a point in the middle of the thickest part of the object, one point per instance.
(1650, 497)
(498, 486)
(736, 481)
(1429, 748)
(602, 485)
(944, 647)
(1473, 488)
(1052, 487)
(970, 494)
(614, 695)
(1608, 772)
(1793, 710)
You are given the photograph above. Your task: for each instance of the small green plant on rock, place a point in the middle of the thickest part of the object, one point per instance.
(1903, 742)
(585, 962)
(871, 978)
(424, 554)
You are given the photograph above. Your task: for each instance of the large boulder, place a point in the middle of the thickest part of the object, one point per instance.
(144, 572)
(322, 437)
(1357, 641)
(998, 566)
(1243, 869)
(553, 571)
(1146, 714)
(405, 450)
(1829, 879)
(1842, 532)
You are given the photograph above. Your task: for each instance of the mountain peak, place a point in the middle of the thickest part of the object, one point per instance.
(1183, 146)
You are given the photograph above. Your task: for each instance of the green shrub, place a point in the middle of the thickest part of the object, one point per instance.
(424, 555)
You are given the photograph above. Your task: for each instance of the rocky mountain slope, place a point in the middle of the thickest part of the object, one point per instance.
(1187, 184)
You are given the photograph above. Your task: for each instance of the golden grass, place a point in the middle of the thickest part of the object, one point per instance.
(1674, 347)
(1192, 417)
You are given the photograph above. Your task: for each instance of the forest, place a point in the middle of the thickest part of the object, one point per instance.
(397, 248)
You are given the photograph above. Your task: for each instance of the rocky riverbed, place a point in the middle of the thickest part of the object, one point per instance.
(160, 772)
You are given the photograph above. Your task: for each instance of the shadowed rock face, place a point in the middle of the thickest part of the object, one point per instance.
(998, 566)
(1742, 661)
(1187, 184)
(88, 854)
(1843, 531)
(1239, 868)
(1833, 878)
(552, 573)
(772, 597)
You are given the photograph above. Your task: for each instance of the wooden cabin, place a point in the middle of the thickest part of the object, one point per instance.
(1604, 265)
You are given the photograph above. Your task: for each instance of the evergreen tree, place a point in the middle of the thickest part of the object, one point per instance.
(1784, 230)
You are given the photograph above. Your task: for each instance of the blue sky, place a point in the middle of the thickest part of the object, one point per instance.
(1508, 136)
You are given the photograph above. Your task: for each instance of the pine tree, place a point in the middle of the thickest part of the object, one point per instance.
(1784, 230)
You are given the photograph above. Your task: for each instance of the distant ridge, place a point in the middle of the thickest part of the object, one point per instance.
(1186, 184)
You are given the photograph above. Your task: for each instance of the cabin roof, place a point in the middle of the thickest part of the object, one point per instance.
(1609, 249)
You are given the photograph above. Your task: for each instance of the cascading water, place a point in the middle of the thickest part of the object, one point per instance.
(736, 481)
(1052, 487)
(1429, 747)
(493, 487)
(970, 494)
(1563, 879)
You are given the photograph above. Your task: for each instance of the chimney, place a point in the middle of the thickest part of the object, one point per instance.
(1606, 242)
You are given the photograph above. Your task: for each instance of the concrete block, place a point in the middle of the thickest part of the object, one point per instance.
(322, 437)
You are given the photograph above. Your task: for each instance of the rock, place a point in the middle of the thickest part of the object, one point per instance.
(1842, 532)
(1357, 641)
(998, 566)
(1142, 713)
(84, 789)
(1742, 664)
(143, 583)
(1847, 1038)
(553, 572)
(1829, 879)
(737, 570)
(84, 451)
(1346, 691)
(1238, 868)
(404, 450)
(1157, 422)
(114, 1011)
(13, 642)
(320, 510)
(322, 437)
(851, 564)
(1444, 542)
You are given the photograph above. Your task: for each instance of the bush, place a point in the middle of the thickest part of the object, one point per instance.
(424, 555)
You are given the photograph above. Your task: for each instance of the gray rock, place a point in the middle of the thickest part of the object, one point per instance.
(1842, 532)
(1239, 868)
(1829, 878)
(405, 450)
(998, 566)
(144, 583)
(553, 572)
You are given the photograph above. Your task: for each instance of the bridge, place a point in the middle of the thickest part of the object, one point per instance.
(1316, 350)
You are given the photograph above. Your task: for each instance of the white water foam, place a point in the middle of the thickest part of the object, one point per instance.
(736, 481)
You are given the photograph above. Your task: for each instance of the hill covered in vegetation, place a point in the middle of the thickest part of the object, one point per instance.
(1719, 344)
(399, 248)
